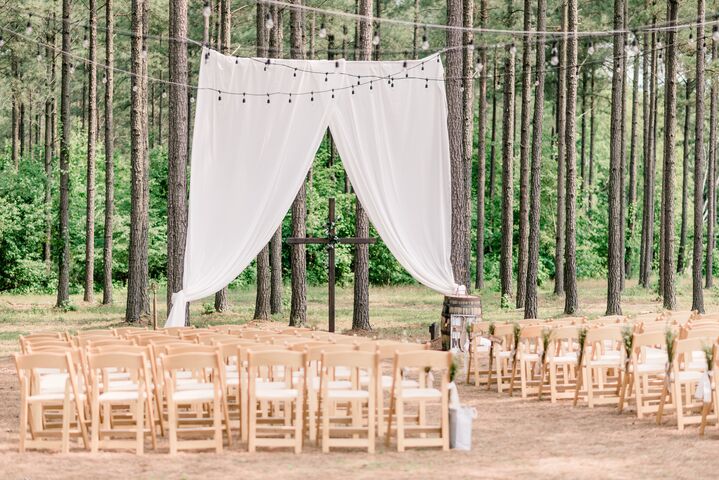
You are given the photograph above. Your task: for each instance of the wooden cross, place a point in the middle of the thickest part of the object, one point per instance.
(331, 240)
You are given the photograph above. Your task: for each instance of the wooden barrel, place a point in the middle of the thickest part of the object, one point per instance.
(469, 310)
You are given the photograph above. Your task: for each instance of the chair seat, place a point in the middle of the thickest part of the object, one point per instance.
(503, 354)
(53, 382)
(348, 394)
(651, 367)
(195, 395)
(530, 357)
(333, 384)
(52, 397)
(688, 376)
(276, 394)
(419, 393)
(607, 360)
(567, 358)
(120, 396)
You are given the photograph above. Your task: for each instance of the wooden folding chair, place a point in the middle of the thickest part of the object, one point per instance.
(503, 355)
(422, 363)
(283, 419)
(350, 401)
(648, 371)
(562, 358)
(688, 368)
(479, 364)
(38, 400)
(194, 411)
(134, 396)
(714, 395)
(530, 360)
(603, 360)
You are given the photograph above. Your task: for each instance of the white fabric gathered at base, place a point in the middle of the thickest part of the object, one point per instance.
(251, 154)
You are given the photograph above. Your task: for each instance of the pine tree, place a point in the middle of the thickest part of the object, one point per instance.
(697, 292)
(506, 263)
(571, 301)
(91, 146)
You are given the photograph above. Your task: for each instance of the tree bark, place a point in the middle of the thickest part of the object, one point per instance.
(583, 136)
(697, 292)
(222, 301)
(592, 130)
(91, 147)
(615, 266)
(712, 173)
(633, 153)
(571, 300)
(49, 138)
(506, 262)
(481, 150)
(109, 154)
(63, 283)
(468, 127)
(649, 165)
(16, 137)
(298, 253)
(177, 150)
(360, 312)
(530, 304)
(524, 152)
(137, 296)
(670, 120)
(493, 140)
(682, 255)
(560, 224)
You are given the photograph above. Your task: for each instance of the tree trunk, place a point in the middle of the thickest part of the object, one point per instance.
(177, 150)
(91, 146)
(712, 173)
(592, 116)
(583, 135)
(15, 113)
(560, 224)
(524, 152)
(645, 145)
(222, 301)
(493, 140)
(649, 165)
(682, 255)
(670, 120)
(468, 127)
(623, 150)
(360, 313)
(377, 30)
(633, 153)
(530, 303)
(49, 138)
(615, 266)
(506, 262)
(481, 149)
(109, 154)
(137, 297)
(571, 301)
(298, 253)
(276, 271)
(697, 292)
(63, 282)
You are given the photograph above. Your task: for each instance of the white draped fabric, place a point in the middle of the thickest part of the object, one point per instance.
(251, 152)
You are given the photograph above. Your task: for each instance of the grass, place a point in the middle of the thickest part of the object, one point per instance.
(399, 312)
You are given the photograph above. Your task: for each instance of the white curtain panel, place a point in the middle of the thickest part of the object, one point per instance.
(249, 158)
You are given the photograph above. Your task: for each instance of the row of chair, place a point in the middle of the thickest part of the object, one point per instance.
(655, 361)
(206, 388)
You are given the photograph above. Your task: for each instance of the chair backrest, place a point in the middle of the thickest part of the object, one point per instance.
(174, 331)
(40, 344)
(680, 317)
(608, 320)
(191, 361)
(243, 351)
(605, 332)
(275, 358)
(350, 359)
(702, 331)
(175, 348)
(647, 317)
(423, 359)
(712, 317)
(96, 332)
(109, 341)
(560, 321)
(26, 364)
(314, 353)
(122, 331)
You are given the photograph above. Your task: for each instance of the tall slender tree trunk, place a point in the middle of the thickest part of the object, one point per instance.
(583, 136)
(222, 302)
(649, 164)
(63, 282)
(481, 149)
(670, 120)
(493, 139)
(276, 283)
(109, 155)
(16, 140)
(682, 255)
(712, 173)
(49, 138)
(530, 303)
(91, 147)
(633, 154)
(506, 262)
(560, 226)
(137, 276)
(571, 300)
(298, 253)
(360, 312)
(177, 149)
(623, 163)
(645, 147)
(697, 292)
(262, 300)
(524, 152)
(592, 130)
(615, 266)
(468, 127)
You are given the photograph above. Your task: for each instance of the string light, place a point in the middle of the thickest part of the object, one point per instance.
(143, 52)
(375, 39)
(72, 68)
(39, 55)
(28, 28)
(269, 23)
(513, 49)
(590, 50)
(323, 30)
(104, 79)
(2, 41)
(715, 33)
(206, 10)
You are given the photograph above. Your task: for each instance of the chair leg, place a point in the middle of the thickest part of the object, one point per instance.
(400, 425)
(66, 425)
(140, 419)
(325, 425)
(172, 425)
(217, 416)
(252, 421)
(95, 444)
(23, 423)
(370, 424)
(299, 414)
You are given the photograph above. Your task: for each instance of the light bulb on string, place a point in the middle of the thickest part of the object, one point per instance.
(715, 33)
(554, 61)
(164, 94)
(143, 52)
(104, 79)
(72, 68)
(323, 30)
(192, 99)
(134, 88)
(425, 42)
(590, 50)
(206, 10)
(28, 29)
(344, 31)
(375, 39)
(513, 49)
(269, 23)
(2, 41)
